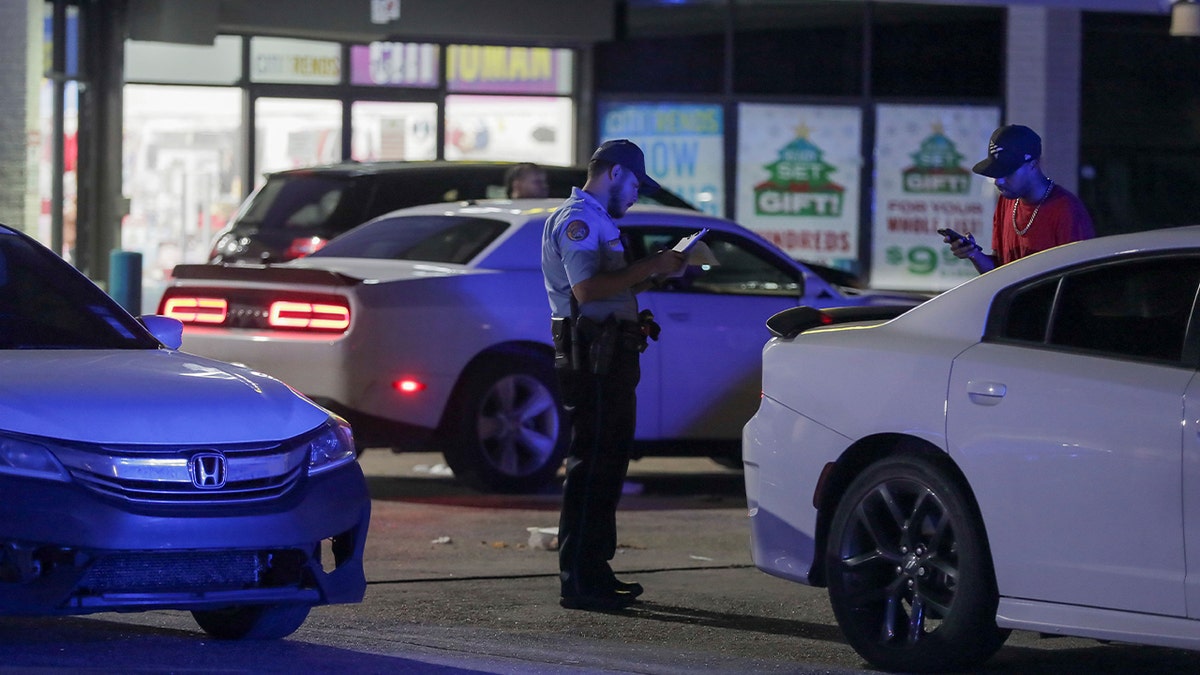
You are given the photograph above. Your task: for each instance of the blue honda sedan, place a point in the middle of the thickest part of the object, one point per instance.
(138, 477)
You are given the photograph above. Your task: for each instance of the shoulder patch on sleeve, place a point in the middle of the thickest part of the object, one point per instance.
(577, 230)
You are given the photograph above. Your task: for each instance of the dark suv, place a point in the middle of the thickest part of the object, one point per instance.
(296, 211)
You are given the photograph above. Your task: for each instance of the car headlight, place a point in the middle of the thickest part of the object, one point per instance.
(20, 457)
(331, 448)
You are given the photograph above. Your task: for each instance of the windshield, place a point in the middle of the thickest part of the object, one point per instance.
(433, 238)
(295, 202)
(46, 304)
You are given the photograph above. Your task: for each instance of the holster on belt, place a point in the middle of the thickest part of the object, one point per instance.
(561, 330)
(591, 345)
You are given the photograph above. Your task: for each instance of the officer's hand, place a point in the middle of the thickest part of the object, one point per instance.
(669, 262)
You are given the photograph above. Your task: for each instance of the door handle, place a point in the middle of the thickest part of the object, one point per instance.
(986, 393)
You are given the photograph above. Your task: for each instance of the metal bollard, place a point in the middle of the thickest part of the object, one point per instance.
(125, 280)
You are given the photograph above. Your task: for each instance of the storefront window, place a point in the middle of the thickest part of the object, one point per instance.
(383, 131)
(927, 50)
(70, 166)
(291, 133)
(799, 179)
(809, 47)
(665, 47)
(70, 130)
(182, 163)
(684, 145)
(513, 128)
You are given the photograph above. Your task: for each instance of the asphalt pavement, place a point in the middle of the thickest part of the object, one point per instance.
(454, 586)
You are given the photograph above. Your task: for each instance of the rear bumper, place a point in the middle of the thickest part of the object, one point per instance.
(66, 550)
(782, 464)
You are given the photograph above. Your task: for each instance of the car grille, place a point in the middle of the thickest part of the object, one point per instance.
(156, 571)
(174, 476)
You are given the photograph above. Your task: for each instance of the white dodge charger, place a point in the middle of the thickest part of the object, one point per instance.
(1021, 452)
(430, 327)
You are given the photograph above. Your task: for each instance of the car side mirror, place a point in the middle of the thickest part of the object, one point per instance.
(168, 331)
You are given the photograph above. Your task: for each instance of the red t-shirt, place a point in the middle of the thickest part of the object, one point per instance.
(1061, 219)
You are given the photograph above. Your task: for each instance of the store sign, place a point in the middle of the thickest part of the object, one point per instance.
(923, 160)
(508, 70)
(684, 146)
(798, 179)
(394, 64)
(289, 61)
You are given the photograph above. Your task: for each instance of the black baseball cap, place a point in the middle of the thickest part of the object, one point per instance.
(1010, 147)
(629, 155)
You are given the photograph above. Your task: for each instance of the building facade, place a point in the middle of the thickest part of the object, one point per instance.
(842, 129)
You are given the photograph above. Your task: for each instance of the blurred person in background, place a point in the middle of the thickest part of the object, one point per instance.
(526, 181)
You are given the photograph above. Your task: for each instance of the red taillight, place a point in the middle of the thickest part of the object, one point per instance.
(196, 310)
(312, 315)
(305, 246)
(408, 386)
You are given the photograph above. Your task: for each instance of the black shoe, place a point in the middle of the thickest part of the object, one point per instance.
(633, 588)
(597, 602)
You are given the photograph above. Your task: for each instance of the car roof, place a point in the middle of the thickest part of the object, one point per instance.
(1167, 239)
(353, 168)
(962, 311)
(519, 209)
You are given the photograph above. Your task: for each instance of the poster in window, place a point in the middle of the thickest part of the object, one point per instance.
(924, 182)
(684, 146)
(798, 179)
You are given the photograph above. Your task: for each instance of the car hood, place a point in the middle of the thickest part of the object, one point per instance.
(146, 397)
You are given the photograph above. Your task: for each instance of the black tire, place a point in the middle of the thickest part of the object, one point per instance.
(252, 622)
(506, 428)
(909, 573)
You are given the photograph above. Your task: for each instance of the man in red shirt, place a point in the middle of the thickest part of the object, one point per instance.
(1032, 214)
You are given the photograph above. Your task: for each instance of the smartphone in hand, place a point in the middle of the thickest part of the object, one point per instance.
(955, 237)
(950, 234)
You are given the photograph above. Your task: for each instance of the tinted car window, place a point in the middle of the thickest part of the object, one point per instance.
(444, 239)
(297, 211)
(297, 202)
(1029, 313)
(47, 304)
(744, 268)
(1136, 309)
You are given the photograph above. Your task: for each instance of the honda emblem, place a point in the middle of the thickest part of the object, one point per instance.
(208, 470)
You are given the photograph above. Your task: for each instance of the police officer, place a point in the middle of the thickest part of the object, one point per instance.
(598, 338)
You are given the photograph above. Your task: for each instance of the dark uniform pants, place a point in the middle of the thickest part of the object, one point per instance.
(603, 421)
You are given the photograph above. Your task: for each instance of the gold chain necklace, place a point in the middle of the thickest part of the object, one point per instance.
(1020, 231)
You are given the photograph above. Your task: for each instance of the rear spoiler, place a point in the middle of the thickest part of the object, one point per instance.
(795, 320)
(263, 273)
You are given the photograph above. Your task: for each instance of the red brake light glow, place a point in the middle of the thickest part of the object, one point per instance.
(304, 246)
(320, 316)
(196, 310)
(408, 386)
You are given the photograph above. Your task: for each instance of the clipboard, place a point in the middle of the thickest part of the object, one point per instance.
(689, 241)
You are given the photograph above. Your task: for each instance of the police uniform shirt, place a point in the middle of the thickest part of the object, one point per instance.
(581, 240)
